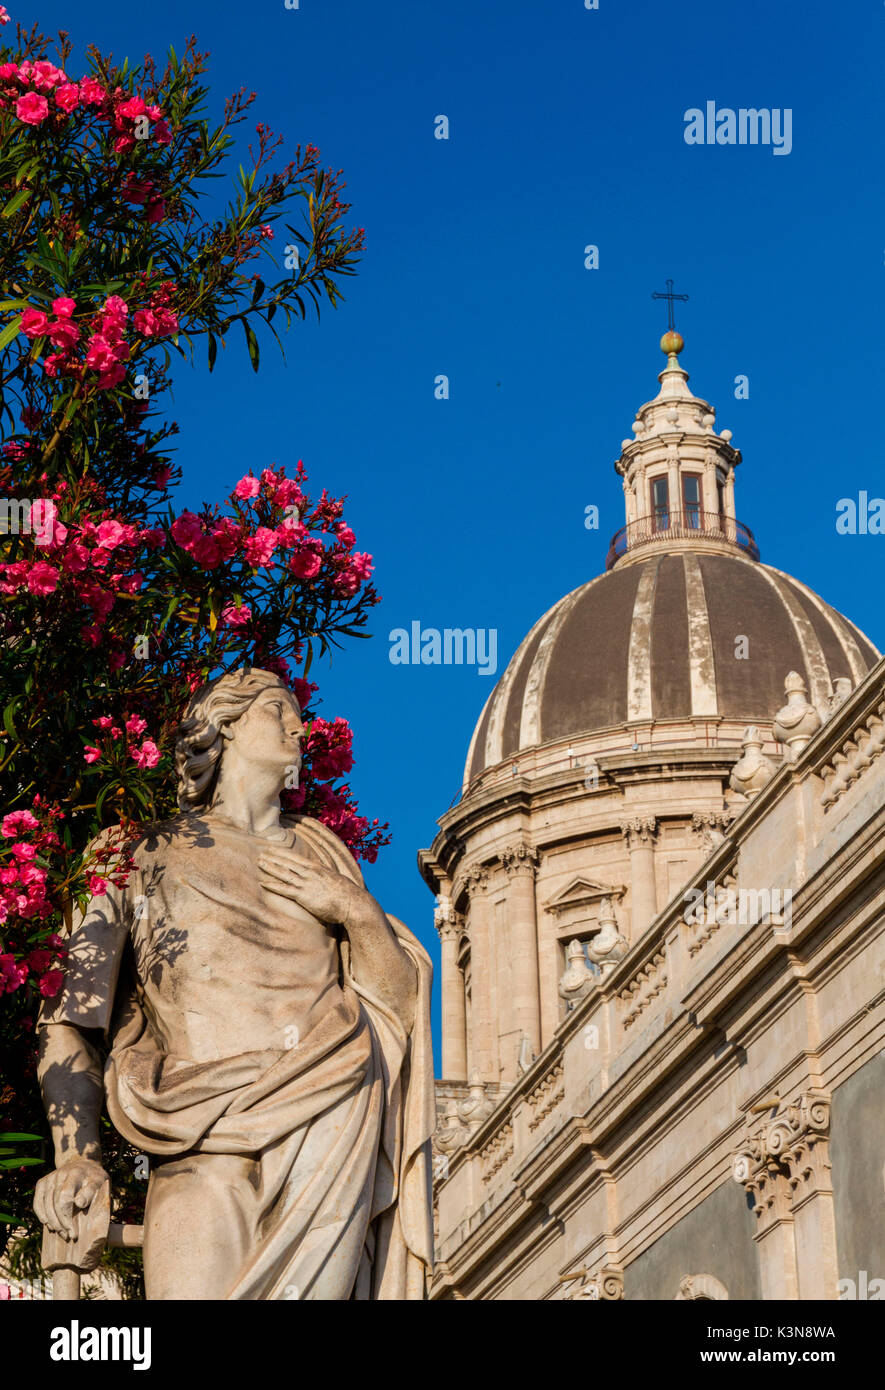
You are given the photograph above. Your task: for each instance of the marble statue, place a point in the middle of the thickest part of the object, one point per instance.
(267, 1035)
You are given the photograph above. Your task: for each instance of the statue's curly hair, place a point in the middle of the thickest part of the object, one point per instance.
(200, 741)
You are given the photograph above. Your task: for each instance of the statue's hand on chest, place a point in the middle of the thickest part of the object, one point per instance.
(328, 895)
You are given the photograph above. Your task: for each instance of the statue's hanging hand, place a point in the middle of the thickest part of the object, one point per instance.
(61, 1195)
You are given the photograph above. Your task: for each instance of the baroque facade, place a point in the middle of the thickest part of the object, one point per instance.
(661, 901)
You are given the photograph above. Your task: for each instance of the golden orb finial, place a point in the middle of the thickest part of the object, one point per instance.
(672, 342)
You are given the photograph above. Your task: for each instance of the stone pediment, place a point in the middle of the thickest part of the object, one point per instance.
(576, 907)
(583, 892)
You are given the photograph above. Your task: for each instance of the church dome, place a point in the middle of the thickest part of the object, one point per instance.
(687, 624)
(659, 639)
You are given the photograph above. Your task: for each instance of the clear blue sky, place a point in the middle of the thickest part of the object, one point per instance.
(566, 129)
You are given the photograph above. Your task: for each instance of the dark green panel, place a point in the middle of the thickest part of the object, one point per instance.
(715, 1238)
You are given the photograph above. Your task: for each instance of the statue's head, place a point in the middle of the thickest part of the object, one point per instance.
(250, 708)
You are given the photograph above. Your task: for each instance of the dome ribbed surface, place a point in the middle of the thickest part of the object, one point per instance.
(656, 639)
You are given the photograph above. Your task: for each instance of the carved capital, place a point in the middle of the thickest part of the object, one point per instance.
(520, 858)
(445, 919)
(606, 1285)
(710, 827)
(784, 1157)
(639, 830)
(475, 880)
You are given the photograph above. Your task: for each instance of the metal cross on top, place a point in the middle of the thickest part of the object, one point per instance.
(669, 296)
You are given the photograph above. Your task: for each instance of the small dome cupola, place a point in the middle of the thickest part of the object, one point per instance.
(678, 472)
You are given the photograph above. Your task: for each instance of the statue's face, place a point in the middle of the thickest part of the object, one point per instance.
(269, 734)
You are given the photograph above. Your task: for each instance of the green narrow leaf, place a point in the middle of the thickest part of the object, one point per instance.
(8, 714)
(252, 343)
(10, 331)
(16, 201)
(213, 349)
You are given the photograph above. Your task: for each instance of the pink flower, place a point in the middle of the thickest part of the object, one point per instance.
(40, 961)
(288, 494)
(8, 71)
(306, 561)
(247, 487)
(51, 983)
(153, 537)
(32, 108)
(345, 535)
(30, 417)
(146, 323)
(237, 617)
(135, 725)
(361, 565)
(90, 754)
(4, 17)
(23, 851)
(115, 308)
(259, 549)
(46, 74)
(17, 821)
(91, 91)
(112, 377)
(266, 231)
(156, 212)
(11, 975)
(206, 552)
(137, 190)
(162, 133)
(99, 353)
(132, 108)
(103, 722)
(63, 333)
(42, 578)
(62, 308)
(110, 534)
(226, 536)
(75, 558)
(34, 323)
(97, 885)
(186, 530)
(53, 364)
(290, 532)
(68, 97)
(161, 476)
(148, 755)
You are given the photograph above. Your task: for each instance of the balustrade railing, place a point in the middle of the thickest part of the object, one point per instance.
(662, 527)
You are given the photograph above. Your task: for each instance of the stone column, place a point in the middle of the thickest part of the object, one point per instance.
(814, 1217)
(784, 1164)
(483, 1032)
(728, 504)
(674, 489)
(521, 862)
(641, 492)
(639, 834)
(709, 495)
(454, 1014)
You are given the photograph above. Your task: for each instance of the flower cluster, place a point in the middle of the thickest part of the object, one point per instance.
(24, 896)
(40, 91)
(105, 348)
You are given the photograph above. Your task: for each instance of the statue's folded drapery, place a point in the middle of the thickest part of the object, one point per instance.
(331, 1197)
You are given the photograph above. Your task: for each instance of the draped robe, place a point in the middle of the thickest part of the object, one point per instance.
(301, 1168)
